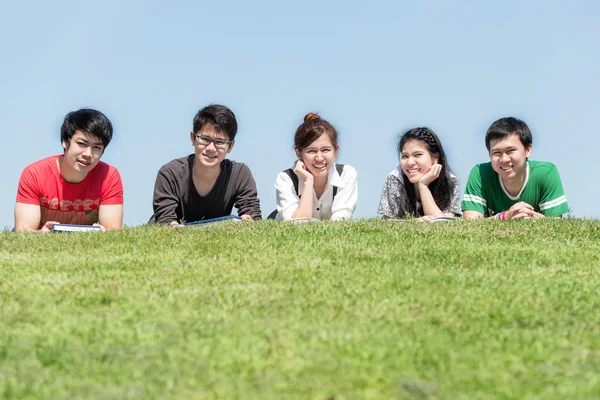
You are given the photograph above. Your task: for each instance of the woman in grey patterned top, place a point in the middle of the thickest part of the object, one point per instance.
(422, 186)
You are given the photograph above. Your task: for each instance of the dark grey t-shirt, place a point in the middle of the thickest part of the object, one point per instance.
(176, 197)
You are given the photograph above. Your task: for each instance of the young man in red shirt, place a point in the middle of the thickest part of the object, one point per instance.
(74, 187)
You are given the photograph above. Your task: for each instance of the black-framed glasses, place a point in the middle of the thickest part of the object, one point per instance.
(206, 140)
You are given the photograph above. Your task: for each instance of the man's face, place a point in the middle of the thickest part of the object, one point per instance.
(82, 153)
(509, 156)
(211, 146)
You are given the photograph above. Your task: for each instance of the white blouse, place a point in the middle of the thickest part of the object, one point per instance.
(340, 207)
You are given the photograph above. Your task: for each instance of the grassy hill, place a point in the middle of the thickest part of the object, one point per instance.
(368, 309)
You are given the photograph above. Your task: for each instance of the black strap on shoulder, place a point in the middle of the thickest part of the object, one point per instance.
(294, 178)
(339, 168)
(290, 172)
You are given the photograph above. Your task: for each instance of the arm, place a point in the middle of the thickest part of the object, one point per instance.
(110, 216)
(474, 202)
(28, 213)
(287, 198)
(165, 197)
(390, 205)
(305, 203)
(110, 211)
(454, 210)
(430, 208)
(27, 219)
(470, 215)
(247, 202)
(553, 202)
(518, 211)
(346, 198)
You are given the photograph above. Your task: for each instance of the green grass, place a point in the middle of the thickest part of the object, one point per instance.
(367, 309)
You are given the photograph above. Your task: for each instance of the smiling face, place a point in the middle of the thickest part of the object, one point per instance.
(319, 156)
(415, 160)
(212, 154)
(509, 157)
(82, 154)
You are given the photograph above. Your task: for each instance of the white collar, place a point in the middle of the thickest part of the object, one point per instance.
(522, 188)
(333, 179)
(336, 179)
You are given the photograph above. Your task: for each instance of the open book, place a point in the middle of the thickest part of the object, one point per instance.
(209, 221)
(443, 219)
(75, 228)
(438, 219)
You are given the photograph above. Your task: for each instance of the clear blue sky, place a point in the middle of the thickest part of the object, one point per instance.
(373, 69)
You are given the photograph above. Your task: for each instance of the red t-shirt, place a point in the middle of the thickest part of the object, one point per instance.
(69, 203)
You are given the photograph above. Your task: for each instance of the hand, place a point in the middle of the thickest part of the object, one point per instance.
(247, 217)
(175, 224)
(431, 175)
(426, 218)
(301, 171)
(102, 229)
(48, 226)
(521, 210)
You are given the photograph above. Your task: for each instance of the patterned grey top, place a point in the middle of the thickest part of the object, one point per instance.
(390, 203)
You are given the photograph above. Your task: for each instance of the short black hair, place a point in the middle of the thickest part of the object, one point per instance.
(220, 117)
(88, 121)
(505, 127)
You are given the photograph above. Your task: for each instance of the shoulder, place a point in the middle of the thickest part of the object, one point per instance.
(41, 172)
(177, 165)
(541, 167)
(348, 172)
(396, 175)
(45, 164)
(482, 170)
(394, 181)
(238, 170)
(105, 169)
(235, 166)
(453, 178)
(284, 176)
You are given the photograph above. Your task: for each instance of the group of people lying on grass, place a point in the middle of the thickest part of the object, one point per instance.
(77, 188)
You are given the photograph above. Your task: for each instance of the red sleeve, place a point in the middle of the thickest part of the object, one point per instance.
(112, 188)
(28, 191)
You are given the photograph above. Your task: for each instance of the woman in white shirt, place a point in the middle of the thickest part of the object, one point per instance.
(316, 187)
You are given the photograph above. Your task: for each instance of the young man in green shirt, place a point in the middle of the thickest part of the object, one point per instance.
(511, 186)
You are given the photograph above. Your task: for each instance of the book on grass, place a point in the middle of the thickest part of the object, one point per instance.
(75, 228)
(209, 221)
(443, 219)
(438, 219)
(305, 220)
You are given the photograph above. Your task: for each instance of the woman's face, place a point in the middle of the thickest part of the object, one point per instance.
(416, 160)
(319, 156)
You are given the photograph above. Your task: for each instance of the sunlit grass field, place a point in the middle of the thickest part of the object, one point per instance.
(362, 310)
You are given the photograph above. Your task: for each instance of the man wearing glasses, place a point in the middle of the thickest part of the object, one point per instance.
(205, 184)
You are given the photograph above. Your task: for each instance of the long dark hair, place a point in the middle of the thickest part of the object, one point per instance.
(441, 189)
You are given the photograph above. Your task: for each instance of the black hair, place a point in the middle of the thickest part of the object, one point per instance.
(88, 121)
(507, 126)
(220, 117)
(311, 129)
(441, 189)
